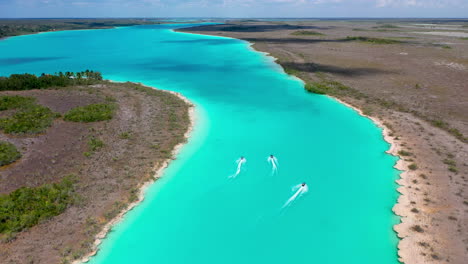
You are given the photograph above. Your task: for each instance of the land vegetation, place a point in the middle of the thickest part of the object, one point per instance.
(8, 153)
(307, 33)
(372, 40)
(25, 207)
(415, 85)
(18, 82)
(74, 151)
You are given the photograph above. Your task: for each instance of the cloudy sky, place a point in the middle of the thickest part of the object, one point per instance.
(233, 8)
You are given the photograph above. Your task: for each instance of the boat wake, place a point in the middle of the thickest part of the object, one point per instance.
(299, 189)
(240, 162)
(274, 164)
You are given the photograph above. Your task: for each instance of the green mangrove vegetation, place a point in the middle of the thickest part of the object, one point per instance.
(91, 113)
(13, 102)
(28, 118)
(17, 82)
(307, 33)
(324, 86)
(34, 119)
(8, 153)
(94, 144)
(372, 40)
(26, 207)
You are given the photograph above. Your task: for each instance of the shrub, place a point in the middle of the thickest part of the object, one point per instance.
(26, 207)
(307, 33)
(290, 71)
(90, 113)
(417, 228)
(404, 153)
(413, 166)
(13, 102)
(453, 169)
(95, 144)
(315, 88)
(450, 162)
(373, 40)
(125, 135)
(324, 86)
(32, 119)
(29, 81)
(8, 153)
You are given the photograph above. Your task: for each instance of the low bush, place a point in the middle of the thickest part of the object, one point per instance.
(315, 88)
(387, 26)
(95, 144)
(404, 153)
(16, 82)
(91, 113)
(32, 119)
(373, 40)
(14, 102)
(125, 135)
(26, 207)
(450, 162)
(307, 33)
(8, 153)
(324, 86)
(417, 228)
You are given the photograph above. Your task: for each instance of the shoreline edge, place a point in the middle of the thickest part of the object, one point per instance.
(160, 168)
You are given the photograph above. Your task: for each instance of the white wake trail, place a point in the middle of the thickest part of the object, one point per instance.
(239, 162)
(300, 191)
(274, 164)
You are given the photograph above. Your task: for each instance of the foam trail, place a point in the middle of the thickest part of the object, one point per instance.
(274, 164)
(300, 190)
(239, 162)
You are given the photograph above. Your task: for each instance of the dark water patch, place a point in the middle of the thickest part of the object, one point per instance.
(16, 61)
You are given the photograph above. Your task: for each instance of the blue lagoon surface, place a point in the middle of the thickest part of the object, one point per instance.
(245, 106)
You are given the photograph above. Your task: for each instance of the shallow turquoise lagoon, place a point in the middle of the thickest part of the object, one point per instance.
(246, 106)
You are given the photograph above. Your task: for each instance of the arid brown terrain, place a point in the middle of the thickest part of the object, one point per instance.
(141, 136)
(413, 77)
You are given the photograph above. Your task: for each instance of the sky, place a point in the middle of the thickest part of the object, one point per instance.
(234, 8)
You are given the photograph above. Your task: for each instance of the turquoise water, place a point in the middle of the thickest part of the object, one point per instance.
(246, 106)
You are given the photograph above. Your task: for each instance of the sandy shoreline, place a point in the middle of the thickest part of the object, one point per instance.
(401, 165)
(142, 189)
